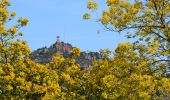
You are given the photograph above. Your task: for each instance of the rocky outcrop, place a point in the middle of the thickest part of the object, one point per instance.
(44, 55)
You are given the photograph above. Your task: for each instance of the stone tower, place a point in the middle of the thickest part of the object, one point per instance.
(58, 43)
(58, 39)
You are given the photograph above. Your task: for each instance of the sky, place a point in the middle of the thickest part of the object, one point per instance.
(51, 18)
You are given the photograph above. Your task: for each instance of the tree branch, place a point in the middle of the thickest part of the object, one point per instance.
(161, 61)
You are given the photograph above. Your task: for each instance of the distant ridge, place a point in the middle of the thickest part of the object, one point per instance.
(44, 55)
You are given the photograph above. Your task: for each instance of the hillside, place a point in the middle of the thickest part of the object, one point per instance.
(44, 55)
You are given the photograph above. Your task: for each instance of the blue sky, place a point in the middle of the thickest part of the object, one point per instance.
(51, 18)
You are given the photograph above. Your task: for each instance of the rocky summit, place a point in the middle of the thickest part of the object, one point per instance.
(44, 55)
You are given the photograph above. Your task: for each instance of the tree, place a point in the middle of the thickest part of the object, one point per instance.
(21, 78)
(138, 70)
(146, 20)
(69, 75)
(127, 75)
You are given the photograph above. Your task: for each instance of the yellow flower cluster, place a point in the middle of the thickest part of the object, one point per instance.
(109, 2)
(86, 16)
(9, 87)
(23, 21)
(13, 14)
(3, 14)
(105, 19)
(75, 52)
(92, 5)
